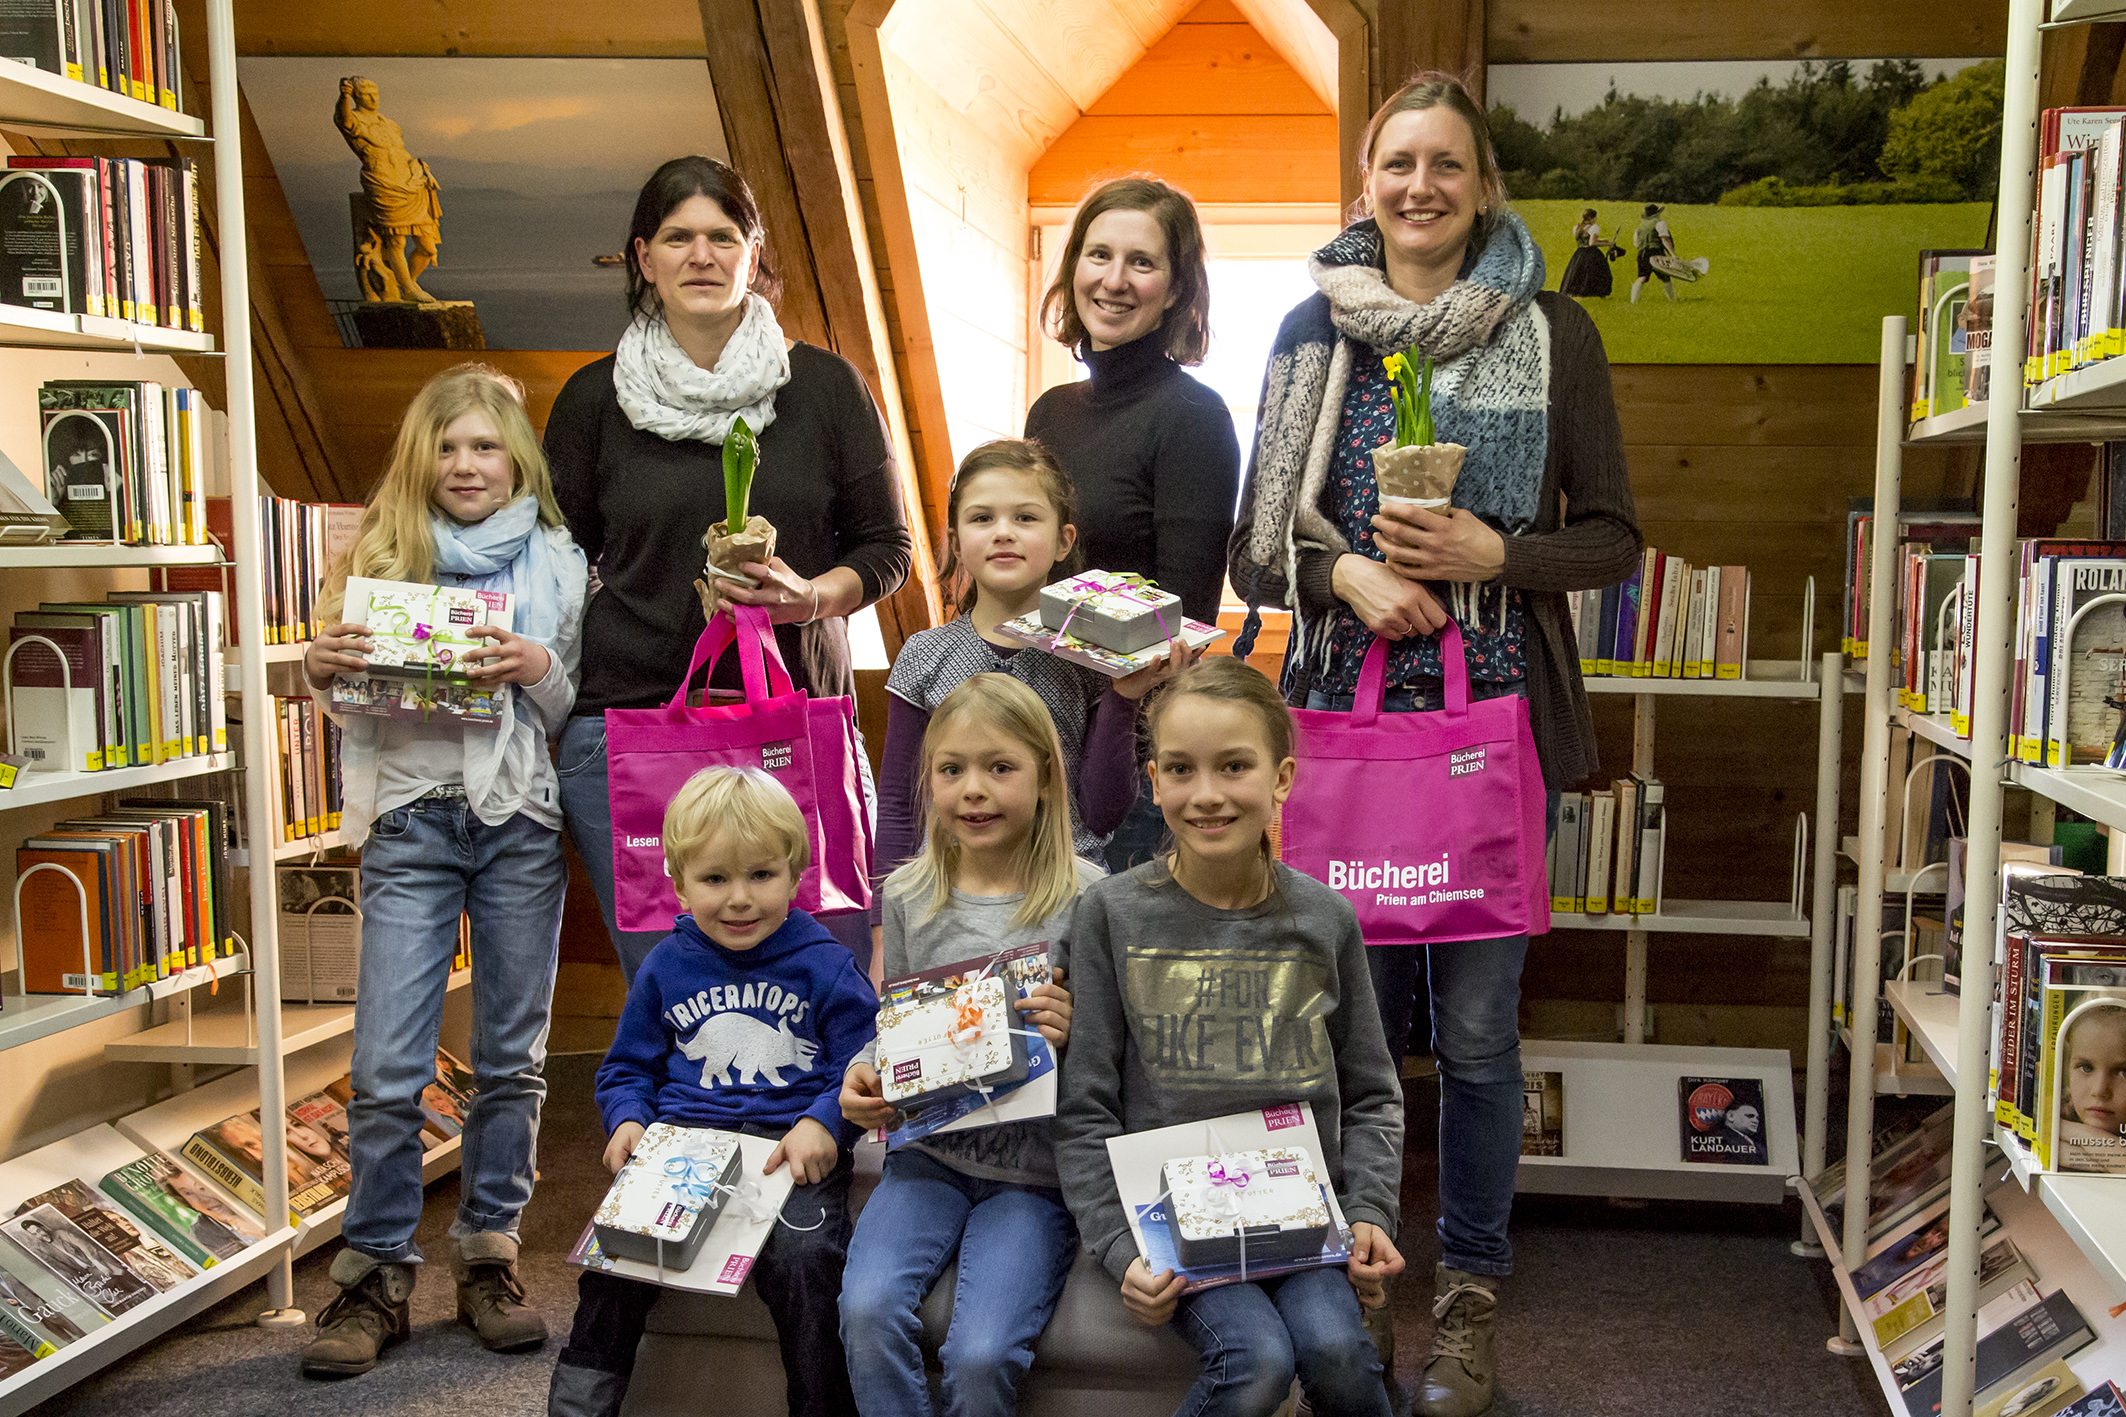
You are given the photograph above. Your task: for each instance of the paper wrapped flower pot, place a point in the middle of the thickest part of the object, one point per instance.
(947, 1045)
(1112, 609)
(666, 1199)
(729, 552)
(1422, 473)
(1271, 1197)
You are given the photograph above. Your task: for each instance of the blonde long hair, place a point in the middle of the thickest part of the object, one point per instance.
(1046, 867)
(394, 542)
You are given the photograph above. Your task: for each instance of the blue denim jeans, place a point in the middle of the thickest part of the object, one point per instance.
(424, 865)
(1015, 1245)
(587, 809)
(1254, 1337)
(798, 1276)
(1475, 997)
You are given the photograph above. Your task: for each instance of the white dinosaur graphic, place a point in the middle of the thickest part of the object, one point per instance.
(735, 1048)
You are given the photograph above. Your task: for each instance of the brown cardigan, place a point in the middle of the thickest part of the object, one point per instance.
(1586, 536)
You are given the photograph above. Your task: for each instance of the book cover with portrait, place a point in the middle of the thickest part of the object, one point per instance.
(1723, 1121)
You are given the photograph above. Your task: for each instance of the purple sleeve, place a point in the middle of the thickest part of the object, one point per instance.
(1107, 774)
(900, 835)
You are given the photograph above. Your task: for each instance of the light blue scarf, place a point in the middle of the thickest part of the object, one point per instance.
(545, 572)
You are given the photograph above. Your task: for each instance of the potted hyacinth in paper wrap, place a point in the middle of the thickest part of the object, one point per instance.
(738, 538)
(1415, 467)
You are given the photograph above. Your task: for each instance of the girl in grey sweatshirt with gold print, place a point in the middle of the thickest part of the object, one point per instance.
(1214, 981)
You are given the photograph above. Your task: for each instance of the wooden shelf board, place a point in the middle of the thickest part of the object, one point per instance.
(28, 1017)
(1699, 917)
(36, 788)
(35, 98)
(56, 555)
(23, 327)
(224, 1036)
(1616, 1143)
(1893, 882)
(1936, 728)
(1769, 679)
(295, 850)
(1931, 1015)
(2097, 793)
(2045, 425)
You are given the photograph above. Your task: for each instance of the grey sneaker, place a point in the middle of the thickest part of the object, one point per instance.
(1460, 1378)
(366, 1317)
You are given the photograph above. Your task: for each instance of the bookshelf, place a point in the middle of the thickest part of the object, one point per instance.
(2072, 1229)
(268, 1046)
(1615, 1080)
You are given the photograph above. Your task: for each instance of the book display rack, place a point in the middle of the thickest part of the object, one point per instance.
(2070, 1228)
(260, 1056)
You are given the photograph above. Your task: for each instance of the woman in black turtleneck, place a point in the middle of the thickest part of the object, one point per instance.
(1150, 450)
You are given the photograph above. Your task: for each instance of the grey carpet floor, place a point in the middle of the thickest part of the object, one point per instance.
(1657, 1311)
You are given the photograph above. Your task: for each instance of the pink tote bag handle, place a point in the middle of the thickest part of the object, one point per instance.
(759, 657)
(1373, 674)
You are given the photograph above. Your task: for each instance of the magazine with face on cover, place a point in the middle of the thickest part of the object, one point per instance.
(1723, 1121)
(47, 1237)
(41, 1301)
(102, 1221)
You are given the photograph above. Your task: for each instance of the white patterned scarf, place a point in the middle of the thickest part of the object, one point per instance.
(663, 391)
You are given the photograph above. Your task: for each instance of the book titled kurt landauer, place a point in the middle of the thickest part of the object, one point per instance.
(421, 640)
(665, 1201)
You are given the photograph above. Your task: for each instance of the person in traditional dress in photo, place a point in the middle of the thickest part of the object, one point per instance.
(1587, 273)
(1652, 238)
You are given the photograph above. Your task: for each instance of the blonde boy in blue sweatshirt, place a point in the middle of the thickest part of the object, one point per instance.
(744, 1019)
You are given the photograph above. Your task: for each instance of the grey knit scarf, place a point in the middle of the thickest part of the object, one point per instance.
(1490, 393)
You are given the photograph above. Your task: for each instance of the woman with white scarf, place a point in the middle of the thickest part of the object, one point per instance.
(1436, 261)
(636, 443)
(456, 819)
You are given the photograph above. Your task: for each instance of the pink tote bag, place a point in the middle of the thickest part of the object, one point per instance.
(1430, 824)
(809, 745)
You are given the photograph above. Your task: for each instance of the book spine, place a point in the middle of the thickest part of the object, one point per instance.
(119, 1186)
(228, 1175)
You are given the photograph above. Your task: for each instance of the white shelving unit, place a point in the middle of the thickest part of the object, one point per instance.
(1614, 1080)
(2072, 1229)
(315, 1048)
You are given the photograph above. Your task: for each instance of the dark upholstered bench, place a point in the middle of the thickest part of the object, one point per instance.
(1093, 1361)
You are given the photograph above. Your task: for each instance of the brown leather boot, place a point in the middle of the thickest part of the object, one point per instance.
(1460, 1378)
(490, 1297)
(366, 1317)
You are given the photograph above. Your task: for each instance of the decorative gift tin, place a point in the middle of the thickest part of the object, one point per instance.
(1112, 609)
(666, 1199)
(1272, 1197)
(948, 1044)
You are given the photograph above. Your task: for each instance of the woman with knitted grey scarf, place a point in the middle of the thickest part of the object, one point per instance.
(1542, 507)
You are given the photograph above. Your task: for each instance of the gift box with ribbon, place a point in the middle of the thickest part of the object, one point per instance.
(422, 631)
(1116, 610)
(944, 1045)
(1267, 1201)
(666, 1199)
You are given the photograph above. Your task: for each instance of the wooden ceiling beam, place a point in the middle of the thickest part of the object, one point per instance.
(782, 125)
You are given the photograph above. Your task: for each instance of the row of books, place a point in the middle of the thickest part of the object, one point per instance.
(1930, 526)
(2077, 299)
(2026, 1336)
(137, 680)
(1668, 620)
(127, 461)
(1607, 854)
(87, 1252)
(2059, 1041)
(126, 46)
(1953, 348)
(305, 750)
(299, 543)
(321, 933)
(150, 882)
(115, 237)
(2070, 653)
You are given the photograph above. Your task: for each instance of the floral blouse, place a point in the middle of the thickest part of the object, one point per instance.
(1494, 654)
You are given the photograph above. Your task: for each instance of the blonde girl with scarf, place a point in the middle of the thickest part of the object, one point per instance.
(453, 819)
(1542, 506)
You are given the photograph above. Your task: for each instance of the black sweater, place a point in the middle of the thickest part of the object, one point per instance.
(1152, 455)
(639, 505)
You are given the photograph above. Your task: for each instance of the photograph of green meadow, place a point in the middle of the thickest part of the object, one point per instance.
(1809, 199)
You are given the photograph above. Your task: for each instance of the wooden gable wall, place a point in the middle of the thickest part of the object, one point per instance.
(1214, 109)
